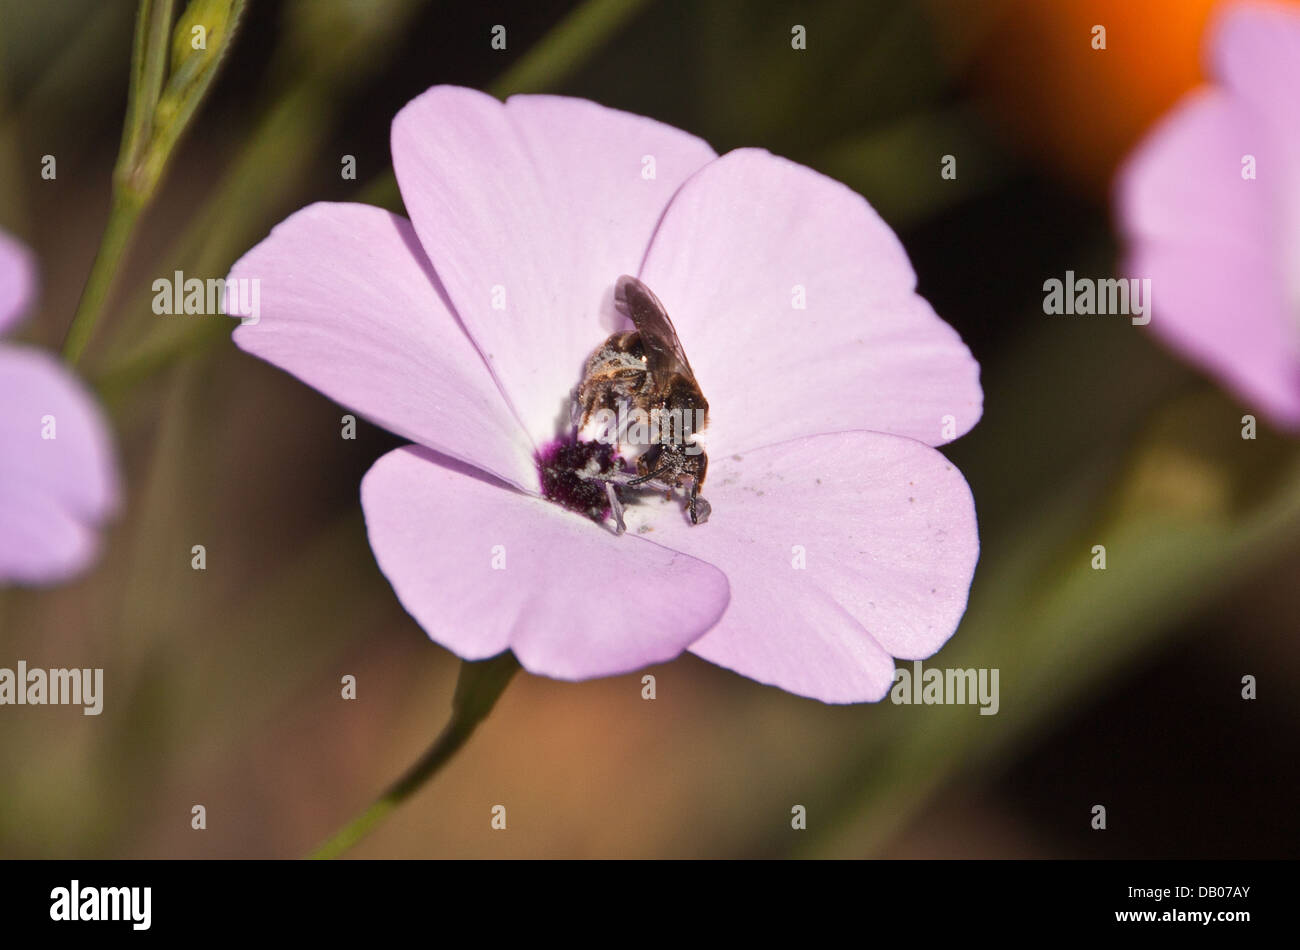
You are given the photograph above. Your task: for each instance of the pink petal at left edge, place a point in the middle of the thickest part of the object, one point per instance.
(842, 551)
(17, 281)
(54, 492)
(483, 568)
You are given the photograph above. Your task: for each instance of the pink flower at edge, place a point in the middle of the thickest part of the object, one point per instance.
(839, 538)
(1222, 248)
(58, 476)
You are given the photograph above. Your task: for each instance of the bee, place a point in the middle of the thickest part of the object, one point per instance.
(646, 369)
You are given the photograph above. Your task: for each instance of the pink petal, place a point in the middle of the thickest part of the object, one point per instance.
(1224, 310)
(573, 600)
(1215, 247)
(1183, 186)
(41, 542)
(737, 242)
(350, 306)
(889, 541)
(17, 281)
(1255, 51)
(53, 491)
(541, 199)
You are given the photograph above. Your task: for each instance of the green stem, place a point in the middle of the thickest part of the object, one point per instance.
(148, 70)
(478, 688)
(159, 110)
(118, 234)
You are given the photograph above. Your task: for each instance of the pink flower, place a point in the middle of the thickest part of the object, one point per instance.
(58, 479)
(1210, 205)
(839, 537)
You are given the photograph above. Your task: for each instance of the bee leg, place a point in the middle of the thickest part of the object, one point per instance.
(616, 507)
(642, 479)
(700, 507)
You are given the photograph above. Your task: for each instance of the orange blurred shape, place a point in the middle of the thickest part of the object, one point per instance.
(1077, 108)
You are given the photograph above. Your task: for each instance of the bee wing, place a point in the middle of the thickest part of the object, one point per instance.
(664, 354)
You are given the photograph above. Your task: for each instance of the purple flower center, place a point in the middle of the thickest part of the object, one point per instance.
(570, 471)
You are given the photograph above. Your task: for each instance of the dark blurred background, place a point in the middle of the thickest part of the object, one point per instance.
(1120, 688)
